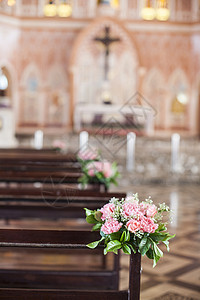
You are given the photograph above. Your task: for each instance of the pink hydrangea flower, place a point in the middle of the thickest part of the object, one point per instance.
(151, 210)
(59, 144)
(88, 155)
(107, 210)
(133, 225)
(91, 172)
(111, 226)
(148, 225)
(148, 210)
(130, 209)
(97, 166)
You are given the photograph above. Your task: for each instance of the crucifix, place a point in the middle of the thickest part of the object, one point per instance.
(106, 40)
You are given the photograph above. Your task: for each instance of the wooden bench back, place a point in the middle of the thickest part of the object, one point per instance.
(19, 203)
(65, 240)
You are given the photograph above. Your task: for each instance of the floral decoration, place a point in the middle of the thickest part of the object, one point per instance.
(131, 225)
(99, 172)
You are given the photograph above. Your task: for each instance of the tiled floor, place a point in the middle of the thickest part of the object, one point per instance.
(177, 275)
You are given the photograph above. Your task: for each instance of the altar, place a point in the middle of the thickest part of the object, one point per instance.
(144, 116)
(7, 128)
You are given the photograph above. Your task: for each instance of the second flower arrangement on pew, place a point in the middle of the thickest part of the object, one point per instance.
(131, 225)
(96, 170)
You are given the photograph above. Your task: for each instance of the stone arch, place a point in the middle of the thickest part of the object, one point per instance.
(87, 65)
(178, 97)
(153, 90)
(57, 98)
(30, 104)
(195, 106)
(10, 73)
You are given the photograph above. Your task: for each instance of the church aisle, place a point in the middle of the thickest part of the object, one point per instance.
(177, 274)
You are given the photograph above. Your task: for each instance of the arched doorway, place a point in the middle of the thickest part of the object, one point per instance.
(7, 117)
(5, 88)
(178, 101)
(97, 82)
(198, 112)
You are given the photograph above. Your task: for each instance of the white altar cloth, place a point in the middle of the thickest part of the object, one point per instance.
(141, 112)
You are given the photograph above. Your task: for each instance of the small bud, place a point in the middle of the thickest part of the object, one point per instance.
(98, 215)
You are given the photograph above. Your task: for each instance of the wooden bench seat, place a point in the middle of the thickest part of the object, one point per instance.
(23, 158)
(35, 203)
(10, 238)
(24, 294)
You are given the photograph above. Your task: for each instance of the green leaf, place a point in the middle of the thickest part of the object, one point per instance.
(157, 254)
(126, 249)
(128, 236)
(88, 212)
(98, 215)
(133, 248)
(103, 234)
(115, 236)
(123, 237)
(96, 227)
(166, 244)
(168, 237)
(145, 247)
(142, 243)
(94, 244)
(113, 245)
(157, 250)
(149, 253)
(115, 251)
(91, 219)
(161, 227)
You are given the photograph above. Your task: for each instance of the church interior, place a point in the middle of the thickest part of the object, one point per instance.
(118, 81)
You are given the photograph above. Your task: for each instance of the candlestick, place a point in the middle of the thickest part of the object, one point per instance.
(130, 161)
(38, 139)
(175, 144)
(174, 205)
(83, 140)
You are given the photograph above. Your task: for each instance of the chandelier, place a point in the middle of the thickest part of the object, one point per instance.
(10, 2)
(61, 8)
(160, 11)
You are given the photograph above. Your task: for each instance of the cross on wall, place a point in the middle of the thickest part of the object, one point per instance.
(106, 40)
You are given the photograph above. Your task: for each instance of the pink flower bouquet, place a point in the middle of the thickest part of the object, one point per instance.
(131, 225)
(88, 155)
(59, 145)
(99, 172)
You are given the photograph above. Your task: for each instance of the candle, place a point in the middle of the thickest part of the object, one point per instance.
(130, 156)
(174, 203)
(38, 139)
(175, 144)
(83, 140)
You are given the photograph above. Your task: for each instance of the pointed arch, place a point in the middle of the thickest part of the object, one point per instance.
(87, 58)
(30, 111)
(154, 90)
(179, 91)
(10, 74)
(57, 98)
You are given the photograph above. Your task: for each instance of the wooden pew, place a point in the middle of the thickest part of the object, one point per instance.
(22, 203)
(23, 149)
(38, 161)
(57, 177)
(23, 158)
(44, 169)
(93, 285)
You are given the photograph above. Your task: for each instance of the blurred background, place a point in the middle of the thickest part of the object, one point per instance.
(122, 76)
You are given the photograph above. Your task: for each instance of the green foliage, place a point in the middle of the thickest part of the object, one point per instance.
(144, 242)
(99, 176)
